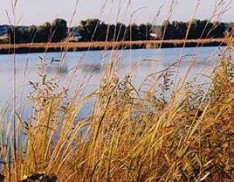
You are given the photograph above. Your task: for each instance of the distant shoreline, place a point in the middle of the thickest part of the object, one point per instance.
(84, 46)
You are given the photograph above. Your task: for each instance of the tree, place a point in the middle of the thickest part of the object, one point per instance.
(144, 31)
(219, 30)
(19, 35)
(100, 32)
(167, 30)
(119, 32)
(32, 31)
(88, 29)
(59, 30)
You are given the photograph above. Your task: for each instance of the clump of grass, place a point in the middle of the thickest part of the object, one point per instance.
(130, 135)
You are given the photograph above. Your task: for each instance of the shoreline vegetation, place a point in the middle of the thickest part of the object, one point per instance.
(94, 34)
(84, 46)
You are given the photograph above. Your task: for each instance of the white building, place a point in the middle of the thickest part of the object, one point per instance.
(74, 35)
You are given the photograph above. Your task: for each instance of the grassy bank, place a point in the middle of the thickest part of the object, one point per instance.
(69, 46)
(131, 135)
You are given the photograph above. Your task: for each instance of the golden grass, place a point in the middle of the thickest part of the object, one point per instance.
(130, 136)
(107, 45)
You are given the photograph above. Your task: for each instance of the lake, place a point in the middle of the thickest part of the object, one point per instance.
(88, 65)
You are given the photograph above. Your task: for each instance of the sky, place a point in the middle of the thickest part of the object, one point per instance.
(29, 12)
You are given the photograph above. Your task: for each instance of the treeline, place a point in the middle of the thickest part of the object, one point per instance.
(96, 30)
(48, 32)
(196, 29)
(89, 30)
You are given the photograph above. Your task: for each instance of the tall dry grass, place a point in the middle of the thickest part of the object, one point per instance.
(130, 135)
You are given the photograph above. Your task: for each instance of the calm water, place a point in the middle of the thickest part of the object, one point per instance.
(78, 66)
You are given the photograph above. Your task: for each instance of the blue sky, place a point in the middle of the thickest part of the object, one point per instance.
(30, 12)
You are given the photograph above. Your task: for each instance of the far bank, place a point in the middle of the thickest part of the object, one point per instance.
(82, 46)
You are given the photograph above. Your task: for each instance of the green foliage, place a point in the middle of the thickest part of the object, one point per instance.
(92, 29)
(43, 33)
(59, 30)
(55, 32)
(96, 30)
(197, 29)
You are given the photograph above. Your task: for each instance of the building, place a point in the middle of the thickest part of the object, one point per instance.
(4, 33)
(4, 29)
(156, 32)
(74, 34)
(4, 38)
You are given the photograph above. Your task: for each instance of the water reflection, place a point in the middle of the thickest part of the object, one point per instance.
(57, 68)
(91, 68)
(150, 60)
